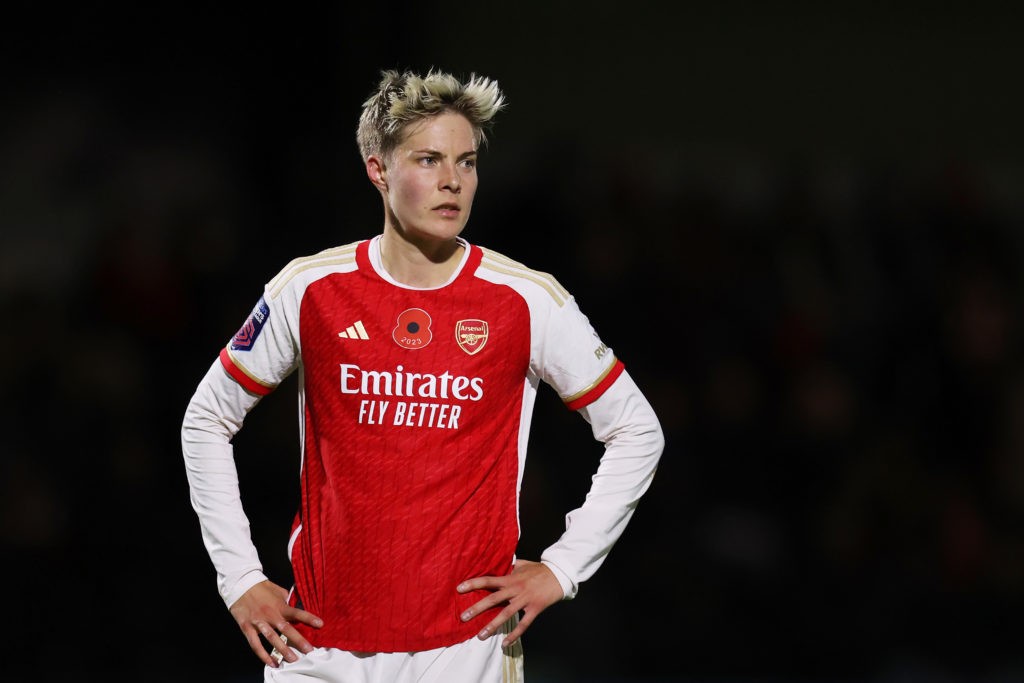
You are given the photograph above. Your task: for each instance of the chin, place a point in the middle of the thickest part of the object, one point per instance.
(443, 232)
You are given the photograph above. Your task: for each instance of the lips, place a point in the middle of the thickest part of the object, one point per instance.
(449, 211)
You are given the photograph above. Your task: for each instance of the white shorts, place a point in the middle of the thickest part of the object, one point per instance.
(471, 661)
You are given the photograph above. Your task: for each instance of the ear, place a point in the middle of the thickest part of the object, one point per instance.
(377, 172)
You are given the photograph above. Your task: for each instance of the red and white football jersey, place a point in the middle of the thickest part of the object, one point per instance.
(416, 407)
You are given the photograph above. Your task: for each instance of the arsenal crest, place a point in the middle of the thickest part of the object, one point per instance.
(471, 335)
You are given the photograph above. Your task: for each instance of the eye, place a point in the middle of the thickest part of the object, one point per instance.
(428, 161)
(468, 163)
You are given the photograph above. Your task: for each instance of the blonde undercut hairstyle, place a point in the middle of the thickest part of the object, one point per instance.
(402, 99)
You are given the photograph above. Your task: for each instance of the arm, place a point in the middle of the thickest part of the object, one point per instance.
(214, 415)
(624, 421)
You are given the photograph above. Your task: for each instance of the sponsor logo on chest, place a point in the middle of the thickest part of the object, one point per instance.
(397, 396)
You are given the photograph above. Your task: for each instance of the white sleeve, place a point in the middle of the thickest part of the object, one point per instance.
(214, 415)
(624, 421)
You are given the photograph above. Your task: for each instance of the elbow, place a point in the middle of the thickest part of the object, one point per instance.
(658, 441)
(191, 425)
(202, 424)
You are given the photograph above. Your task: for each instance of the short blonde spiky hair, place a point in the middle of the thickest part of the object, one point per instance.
(401, 99)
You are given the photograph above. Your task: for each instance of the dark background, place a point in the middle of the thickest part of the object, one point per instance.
(799, 227)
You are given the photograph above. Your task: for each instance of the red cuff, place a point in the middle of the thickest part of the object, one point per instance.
(589, 396)
(240, 376)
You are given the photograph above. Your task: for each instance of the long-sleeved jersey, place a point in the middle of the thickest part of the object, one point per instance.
(415, 416)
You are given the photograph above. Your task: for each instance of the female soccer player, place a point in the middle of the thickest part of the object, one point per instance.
(420, 356)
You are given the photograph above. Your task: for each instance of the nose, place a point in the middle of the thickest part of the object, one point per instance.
(450, 179)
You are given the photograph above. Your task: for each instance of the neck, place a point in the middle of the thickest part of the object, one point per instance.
(418, 263)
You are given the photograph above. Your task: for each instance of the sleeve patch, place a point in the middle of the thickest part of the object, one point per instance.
(250, 331)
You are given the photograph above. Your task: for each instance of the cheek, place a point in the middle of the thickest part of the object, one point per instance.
(400, 196)
(411, 194)
(469, 189)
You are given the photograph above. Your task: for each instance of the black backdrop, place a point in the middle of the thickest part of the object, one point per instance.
(799, 227)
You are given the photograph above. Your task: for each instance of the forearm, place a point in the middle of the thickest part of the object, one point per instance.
(212, 418)
(625, 422)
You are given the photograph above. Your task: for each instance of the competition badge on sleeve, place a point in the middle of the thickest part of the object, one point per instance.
(246, 336)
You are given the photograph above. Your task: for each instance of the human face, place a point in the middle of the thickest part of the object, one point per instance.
(430, 180)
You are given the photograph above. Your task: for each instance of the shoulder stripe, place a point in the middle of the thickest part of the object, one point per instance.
(329, 257)
(502, 264)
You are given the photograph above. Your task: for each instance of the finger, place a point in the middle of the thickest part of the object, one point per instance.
(484, 604)
(294, 639)
(277, 655)
(516, 633)
(295, 614)
(495, 623)
(256, 645)
(279, 644)
(481, 583)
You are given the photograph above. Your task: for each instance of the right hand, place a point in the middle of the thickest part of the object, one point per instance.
(263, 610)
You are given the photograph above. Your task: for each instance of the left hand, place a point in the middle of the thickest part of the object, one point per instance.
(531, 588)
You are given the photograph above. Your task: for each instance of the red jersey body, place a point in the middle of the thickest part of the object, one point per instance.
(416, 407)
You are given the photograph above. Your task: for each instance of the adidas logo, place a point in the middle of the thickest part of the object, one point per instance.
(356, 331)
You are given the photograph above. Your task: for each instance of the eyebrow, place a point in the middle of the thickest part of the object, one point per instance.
(435, 152)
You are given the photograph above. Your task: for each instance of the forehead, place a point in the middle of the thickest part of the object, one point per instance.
(447, 130)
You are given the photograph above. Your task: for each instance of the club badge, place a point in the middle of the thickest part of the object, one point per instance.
(471, 335)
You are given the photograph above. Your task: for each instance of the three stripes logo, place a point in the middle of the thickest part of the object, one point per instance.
(354, 331)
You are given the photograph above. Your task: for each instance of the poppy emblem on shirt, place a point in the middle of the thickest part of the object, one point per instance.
(412, 331)
(471, 335)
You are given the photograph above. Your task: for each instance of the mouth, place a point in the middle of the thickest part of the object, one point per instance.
(447, 209)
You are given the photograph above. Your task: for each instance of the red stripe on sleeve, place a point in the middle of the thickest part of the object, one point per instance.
(239, 375)
(602, 386)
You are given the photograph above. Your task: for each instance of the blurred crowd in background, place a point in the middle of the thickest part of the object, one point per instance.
(832, 342)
